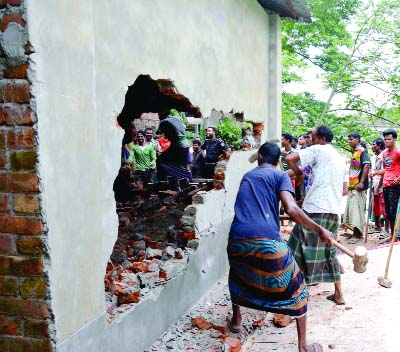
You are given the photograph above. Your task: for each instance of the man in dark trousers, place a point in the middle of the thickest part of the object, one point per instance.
(212, 149)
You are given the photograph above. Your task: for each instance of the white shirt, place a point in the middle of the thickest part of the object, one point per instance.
(329, 173)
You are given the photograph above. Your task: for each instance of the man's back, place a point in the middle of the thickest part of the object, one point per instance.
(257, 203)
(329, 173)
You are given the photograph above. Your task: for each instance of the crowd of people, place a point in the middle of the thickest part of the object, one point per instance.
(270, 274)
(168, 154)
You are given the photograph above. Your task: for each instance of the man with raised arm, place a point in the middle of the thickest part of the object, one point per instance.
(318, 261)
(263, 273)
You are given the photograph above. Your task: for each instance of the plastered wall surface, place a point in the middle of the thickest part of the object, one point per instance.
(87, 53)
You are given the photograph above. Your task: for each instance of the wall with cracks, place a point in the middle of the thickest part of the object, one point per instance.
(136, 328)
(85, 55)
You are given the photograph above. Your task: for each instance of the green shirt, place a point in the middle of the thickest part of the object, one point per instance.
(142, 158)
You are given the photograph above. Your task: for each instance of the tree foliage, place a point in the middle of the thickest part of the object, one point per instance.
(356, 47)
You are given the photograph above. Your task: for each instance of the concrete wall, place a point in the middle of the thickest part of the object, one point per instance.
(87, 53)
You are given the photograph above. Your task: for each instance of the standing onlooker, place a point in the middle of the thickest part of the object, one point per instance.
(319, 262)
(198, 160)
(391, 176)
(213, 149)
(308, 139)
(173, 162)
(302, 142)
(354, 215)
(148, 132)
(378, 203)
(286, 142)
(295, 143)
(142, 156)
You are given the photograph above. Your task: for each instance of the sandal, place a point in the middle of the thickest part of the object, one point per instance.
(231, 328)
(315, 347)
(333, 299)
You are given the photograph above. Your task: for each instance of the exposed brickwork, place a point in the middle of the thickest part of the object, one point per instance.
(25, 315)
(155, 234)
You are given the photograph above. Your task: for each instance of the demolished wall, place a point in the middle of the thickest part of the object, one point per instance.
(81, 72)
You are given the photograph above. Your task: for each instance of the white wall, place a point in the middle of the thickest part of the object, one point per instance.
(87, 53)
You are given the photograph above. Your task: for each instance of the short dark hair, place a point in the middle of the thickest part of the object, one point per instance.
(287, 136)
(140, 132)
(305, 135)
(390, 131)
(270, 153)
(380, 143)
(295, 139)
(148, 129)
(326, 132)
(196, 141)
(355, 135)
(213, 128)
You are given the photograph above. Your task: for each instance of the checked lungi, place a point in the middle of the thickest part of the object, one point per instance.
(263, 275)
(316, 260)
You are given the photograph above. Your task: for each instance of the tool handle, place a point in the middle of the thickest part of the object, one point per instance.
(343, 249)
(390, 253)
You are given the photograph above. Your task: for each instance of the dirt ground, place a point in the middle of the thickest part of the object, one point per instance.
(368, 322)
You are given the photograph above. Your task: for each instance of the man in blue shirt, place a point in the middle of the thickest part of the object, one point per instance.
(263, 274)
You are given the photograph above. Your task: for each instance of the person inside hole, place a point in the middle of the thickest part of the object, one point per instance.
(142, 157)
(198, 159)
(173, 162)
(123, 186)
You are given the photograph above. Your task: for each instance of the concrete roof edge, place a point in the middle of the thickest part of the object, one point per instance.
(295, 9)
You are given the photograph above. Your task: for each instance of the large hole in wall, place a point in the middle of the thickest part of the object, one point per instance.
(156, 232)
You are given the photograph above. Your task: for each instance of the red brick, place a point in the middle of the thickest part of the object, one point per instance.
(30, 245)
(19, 182)
(19, 114)
(26, 203)
(3, 158)
(21, 138)
(23, 307)
(5, 266)
(23, 160)
(3, 138)
(8, 18)
(24, 344)
(8, 286)
(34, 288)
(20, 225)
(3, 182)
(7, 244)
(15, 93)
(189, 235)
(36, 328)
(26, 266)
(4, 3)
(9, 326)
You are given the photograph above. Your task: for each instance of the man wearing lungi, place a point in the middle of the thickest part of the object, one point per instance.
(318, 261)
(263, 273)
(354, 215)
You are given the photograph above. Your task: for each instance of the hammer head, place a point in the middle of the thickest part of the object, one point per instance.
(360, 259)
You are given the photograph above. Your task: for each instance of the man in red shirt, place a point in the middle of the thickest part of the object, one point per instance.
(391, 176)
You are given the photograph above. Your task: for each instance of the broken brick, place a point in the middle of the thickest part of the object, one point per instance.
(201, 323)
(281, 320)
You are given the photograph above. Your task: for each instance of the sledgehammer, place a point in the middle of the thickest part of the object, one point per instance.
(360, 256)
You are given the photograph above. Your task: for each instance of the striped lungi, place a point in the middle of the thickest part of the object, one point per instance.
(263, 275)
(317, 260)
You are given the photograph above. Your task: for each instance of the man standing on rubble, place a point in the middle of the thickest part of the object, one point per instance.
(263, 273)
(318, 261)
(213, 149)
